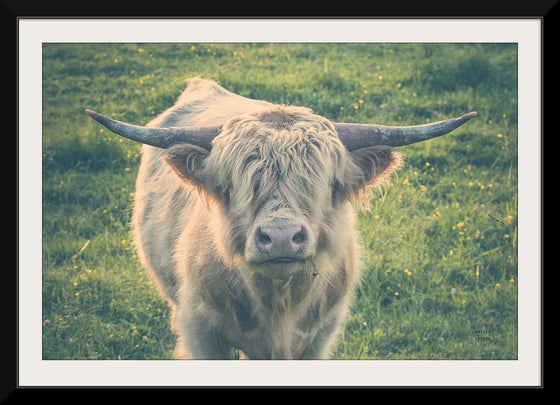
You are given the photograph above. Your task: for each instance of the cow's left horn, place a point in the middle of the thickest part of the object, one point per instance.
(356, 136)
(159, 137)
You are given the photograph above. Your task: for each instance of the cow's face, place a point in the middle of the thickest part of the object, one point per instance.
(279, 185)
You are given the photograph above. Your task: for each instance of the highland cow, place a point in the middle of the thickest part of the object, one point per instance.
(244, 214)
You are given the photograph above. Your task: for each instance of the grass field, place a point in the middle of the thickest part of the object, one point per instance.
(440, 270)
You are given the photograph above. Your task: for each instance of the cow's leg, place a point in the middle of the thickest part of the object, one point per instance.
(197, 339)
(206, 349)
(319, 348)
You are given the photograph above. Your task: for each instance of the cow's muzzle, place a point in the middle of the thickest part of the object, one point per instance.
(280, 241)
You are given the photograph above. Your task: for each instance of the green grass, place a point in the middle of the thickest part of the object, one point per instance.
(440, 275)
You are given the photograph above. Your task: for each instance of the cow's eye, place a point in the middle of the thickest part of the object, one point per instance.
(226, 195)
(339, 193)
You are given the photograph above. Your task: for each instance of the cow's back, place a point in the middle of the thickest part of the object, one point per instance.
(164, 205)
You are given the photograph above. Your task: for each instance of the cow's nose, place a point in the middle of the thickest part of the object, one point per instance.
(282, 241)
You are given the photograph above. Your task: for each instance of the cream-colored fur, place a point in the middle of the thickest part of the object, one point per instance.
(195, 211)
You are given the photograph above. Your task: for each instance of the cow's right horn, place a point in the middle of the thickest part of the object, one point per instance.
(159, 137)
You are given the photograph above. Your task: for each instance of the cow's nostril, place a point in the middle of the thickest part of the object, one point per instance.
(300, 237)
(263, 239)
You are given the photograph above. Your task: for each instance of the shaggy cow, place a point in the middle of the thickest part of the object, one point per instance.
(244, 215)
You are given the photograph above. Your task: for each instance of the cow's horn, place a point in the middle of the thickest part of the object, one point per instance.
(159, 137)
(356, 136)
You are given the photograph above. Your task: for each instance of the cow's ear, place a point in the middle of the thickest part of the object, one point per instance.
(367, 168)
(375, 164)
(187, 161)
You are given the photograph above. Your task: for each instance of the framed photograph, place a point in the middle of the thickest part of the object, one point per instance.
(412, 260)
